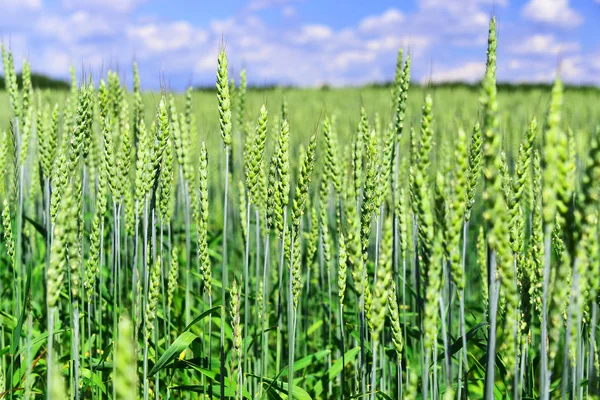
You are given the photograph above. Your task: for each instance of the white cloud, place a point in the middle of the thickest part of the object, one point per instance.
(255, 5)
(290, 11)
(526, 64)
(376, 23)
(544, 45)
(155, 38)
(97, 33)
(596, 60)
(416, 44)
(470, 72)
(573, 69)
(312, 33)
(456, 5)
(74, 27)
(553, 12)
(108, 5)
(21, 4)
(350, 58)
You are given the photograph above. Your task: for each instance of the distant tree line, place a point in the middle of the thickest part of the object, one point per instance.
(40, 81)
(501, 86)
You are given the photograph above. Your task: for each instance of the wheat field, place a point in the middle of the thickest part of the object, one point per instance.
(411, 242)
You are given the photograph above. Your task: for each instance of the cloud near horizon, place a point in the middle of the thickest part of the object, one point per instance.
(301, 42)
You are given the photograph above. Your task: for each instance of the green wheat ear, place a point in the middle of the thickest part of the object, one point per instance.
(65, 234)
(555, 152)
(153, 297)
(397, 338)
(256, 157)
(202, 223)
(173, 276)
(332, 170)
(299, 204)
(459, 187)
(8, 235)
(241, 99)
(224, 99)
(382, 283)
(242, 208)
(474, 169)
(282, 164)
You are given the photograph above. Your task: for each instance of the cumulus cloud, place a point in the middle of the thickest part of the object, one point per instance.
(289, 11)
(98, 34)
(158, 38)
(553, 12)
(255, 5)
(376, 23)
(21, 4)
(312, 33)
(469, 72)
(107, 5)
(544, 45)
(73, 27)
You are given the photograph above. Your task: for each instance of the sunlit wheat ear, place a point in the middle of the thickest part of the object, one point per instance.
(173, 277)
(458, 197)
(384, 188)
(382, 283)
(142, 163)
(397, 77)
(397, 338)
(555, 198)
(241, 99)
(342, 268)
(202, 223)
(26, 110)
(65, 234)
(332, 167)
(223, 98)
(242, 206)
(153, 296)
(555, 153)
(537, 247)
(311, 238)
(166, 182)
(162, 133)
(426, 139)
(433, 285)
(475, 153)
(10, 81)
(401, 100)
(369, 192)
(361, 135)
(60, 179)
(234, 312)
(256, 155)
(283, 172)
(79, 146)
(482, 265)
(8, 235)
(299, 204)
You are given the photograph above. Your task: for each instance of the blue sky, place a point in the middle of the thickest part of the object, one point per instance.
(305, 42)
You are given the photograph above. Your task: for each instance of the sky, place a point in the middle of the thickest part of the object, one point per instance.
(304, 42)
